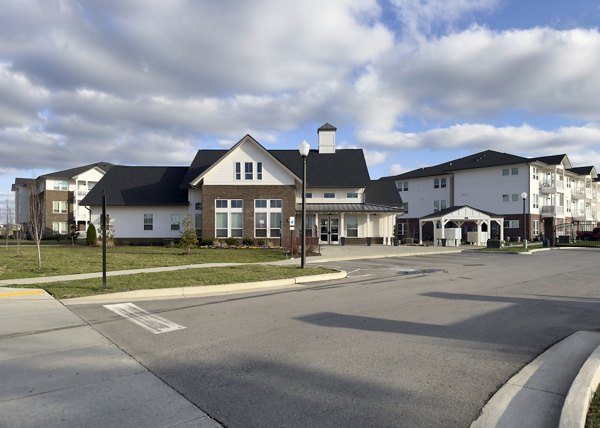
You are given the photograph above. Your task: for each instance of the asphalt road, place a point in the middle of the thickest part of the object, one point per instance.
(414, 341)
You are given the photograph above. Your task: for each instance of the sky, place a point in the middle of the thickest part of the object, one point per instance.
(411, 82)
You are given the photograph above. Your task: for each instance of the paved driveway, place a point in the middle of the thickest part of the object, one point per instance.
(413, 341)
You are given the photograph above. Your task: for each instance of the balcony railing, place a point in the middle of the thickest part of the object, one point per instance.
(552, 211)
(551, 186)
(82, 193)
(583, 215)
(578, 194)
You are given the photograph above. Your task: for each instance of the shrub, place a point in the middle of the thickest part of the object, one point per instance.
(248, 241)
(91, 235)
(206, 243)
(231, 241)
(188, 237)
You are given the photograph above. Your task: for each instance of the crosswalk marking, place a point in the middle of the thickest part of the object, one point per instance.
(143, 318)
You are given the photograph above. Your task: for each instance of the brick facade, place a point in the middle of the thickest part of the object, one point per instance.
(248, 194)
(50, 196)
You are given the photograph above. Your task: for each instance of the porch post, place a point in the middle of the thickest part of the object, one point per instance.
(420, 232)
(479, 231)
(368, 226)
(342, 227)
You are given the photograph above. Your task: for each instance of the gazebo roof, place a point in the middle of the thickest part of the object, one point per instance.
(463, 212)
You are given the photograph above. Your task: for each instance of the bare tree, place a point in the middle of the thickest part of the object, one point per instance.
(8, 223)
(36, 221)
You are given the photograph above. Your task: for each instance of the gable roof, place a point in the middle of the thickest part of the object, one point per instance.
(554, 160)
(450, 210)
(383, 192)
(140, 185)
(485, 159)
(72, 172)
(344, 168)
(584, 170)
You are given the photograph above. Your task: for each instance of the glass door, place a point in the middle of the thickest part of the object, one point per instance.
(329, 230)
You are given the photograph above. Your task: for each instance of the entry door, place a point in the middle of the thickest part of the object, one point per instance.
(330, 230)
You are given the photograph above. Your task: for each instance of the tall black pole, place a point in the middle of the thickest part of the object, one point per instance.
(303, 231)
(524, 221)
(103, 221)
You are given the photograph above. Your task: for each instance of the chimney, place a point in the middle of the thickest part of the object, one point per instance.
(326, 135)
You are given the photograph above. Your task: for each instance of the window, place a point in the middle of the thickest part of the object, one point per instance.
(536, 227)
(402, 186)
(59, 207)
(439, 205)
(514, 171)
(61, 185)
(505, 198)
(511, 224)
(402, 227)
(198, 206)
(229, 218)
(148, 221)
(259, 170)
(515, 197)
(91, 184)
(59, 227)
(309, 226)
(439, 183)
(175, 221)
(351, 226)
(308, 195)
(536, 200)
(198, 224)
(238, 171)
(505, 171)
(249, 174)
(536, 173)
(352, 195)
(329, 195)
(267, 218)
(221, 225)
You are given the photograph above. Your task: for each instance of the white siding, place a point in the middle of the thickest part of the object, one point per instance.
(421, 195)
(128, 222)
(341, 195)
(223, 173)
(483, 188)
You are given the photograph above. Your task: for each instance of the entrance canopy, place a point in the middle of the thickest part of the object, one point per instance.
(459, 216)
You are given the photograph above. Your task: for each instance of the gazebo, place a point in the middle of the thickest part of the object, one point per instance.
(459, 216)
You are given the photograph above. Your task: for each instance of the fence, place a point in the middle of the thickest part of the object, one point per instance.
(570, 235)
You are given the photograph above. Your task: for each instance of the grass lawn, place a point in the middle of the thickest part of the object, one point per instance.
(67, 259)
(179, 278)
(593, 416)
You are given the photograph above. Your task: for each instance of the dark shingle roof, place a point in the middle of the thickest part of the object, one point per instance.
(327, 127)
(344, 168)
(21, 182)
(68, 173)
(140, 185)
(383, 192)
(485, 159)
(203, 160)
(582, 170)
(551, 160)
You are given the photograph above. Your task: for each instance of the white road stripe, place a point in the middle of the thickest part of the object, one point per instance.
(143, 318)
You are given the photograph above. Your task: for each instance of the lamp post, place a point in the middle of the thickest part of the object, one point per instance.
(524, 197)
(304, 149)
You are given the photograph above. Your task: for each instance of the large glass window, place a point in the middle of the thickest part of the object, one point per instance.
(237, 225)
(351, 226)
(148, 221)
(221, 203)
(267, 218)
(221, 225)
(59, 227)
(238, 171)
(439, 183)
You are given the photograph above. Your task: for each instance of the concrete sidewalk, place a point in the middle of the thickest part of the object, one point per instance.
(57, 371)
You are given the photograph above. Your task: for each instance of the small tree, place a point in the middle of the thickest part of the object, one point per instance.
(36, 221)
(91, 235)
(188, 237)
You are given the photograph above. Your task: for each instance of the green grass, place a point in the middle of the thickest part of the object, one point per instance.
(593, 416)
(179, 278)
(67, 259)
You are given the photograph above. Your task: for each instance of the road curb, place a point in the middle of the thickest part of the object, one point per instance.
(204, 290)
(577, 403)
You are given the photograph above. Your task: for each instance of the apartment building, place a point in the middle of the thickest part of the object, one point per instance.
(60, 194)
(555, 193)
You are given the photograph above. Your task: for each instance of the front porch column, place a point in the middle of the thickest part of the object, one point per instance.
(479, 232)
(368, 225)
(318, 228)
(420, 232)
(342, 227)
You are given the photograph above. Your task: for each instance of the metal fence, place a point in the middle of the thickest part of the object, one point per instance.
(575, 235)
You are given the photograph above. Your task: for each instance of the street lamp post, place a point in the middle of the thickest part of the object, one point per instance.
(524, 197)
(304, 149)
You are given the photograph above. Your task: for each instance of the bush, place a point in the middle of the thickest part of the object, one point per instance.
(206, 243)
(248, 241)
(188, 236)
(231, 242)
(91, 235)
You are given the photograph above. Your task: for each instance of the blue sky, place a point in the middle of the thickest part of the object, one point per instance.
(412, 82)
